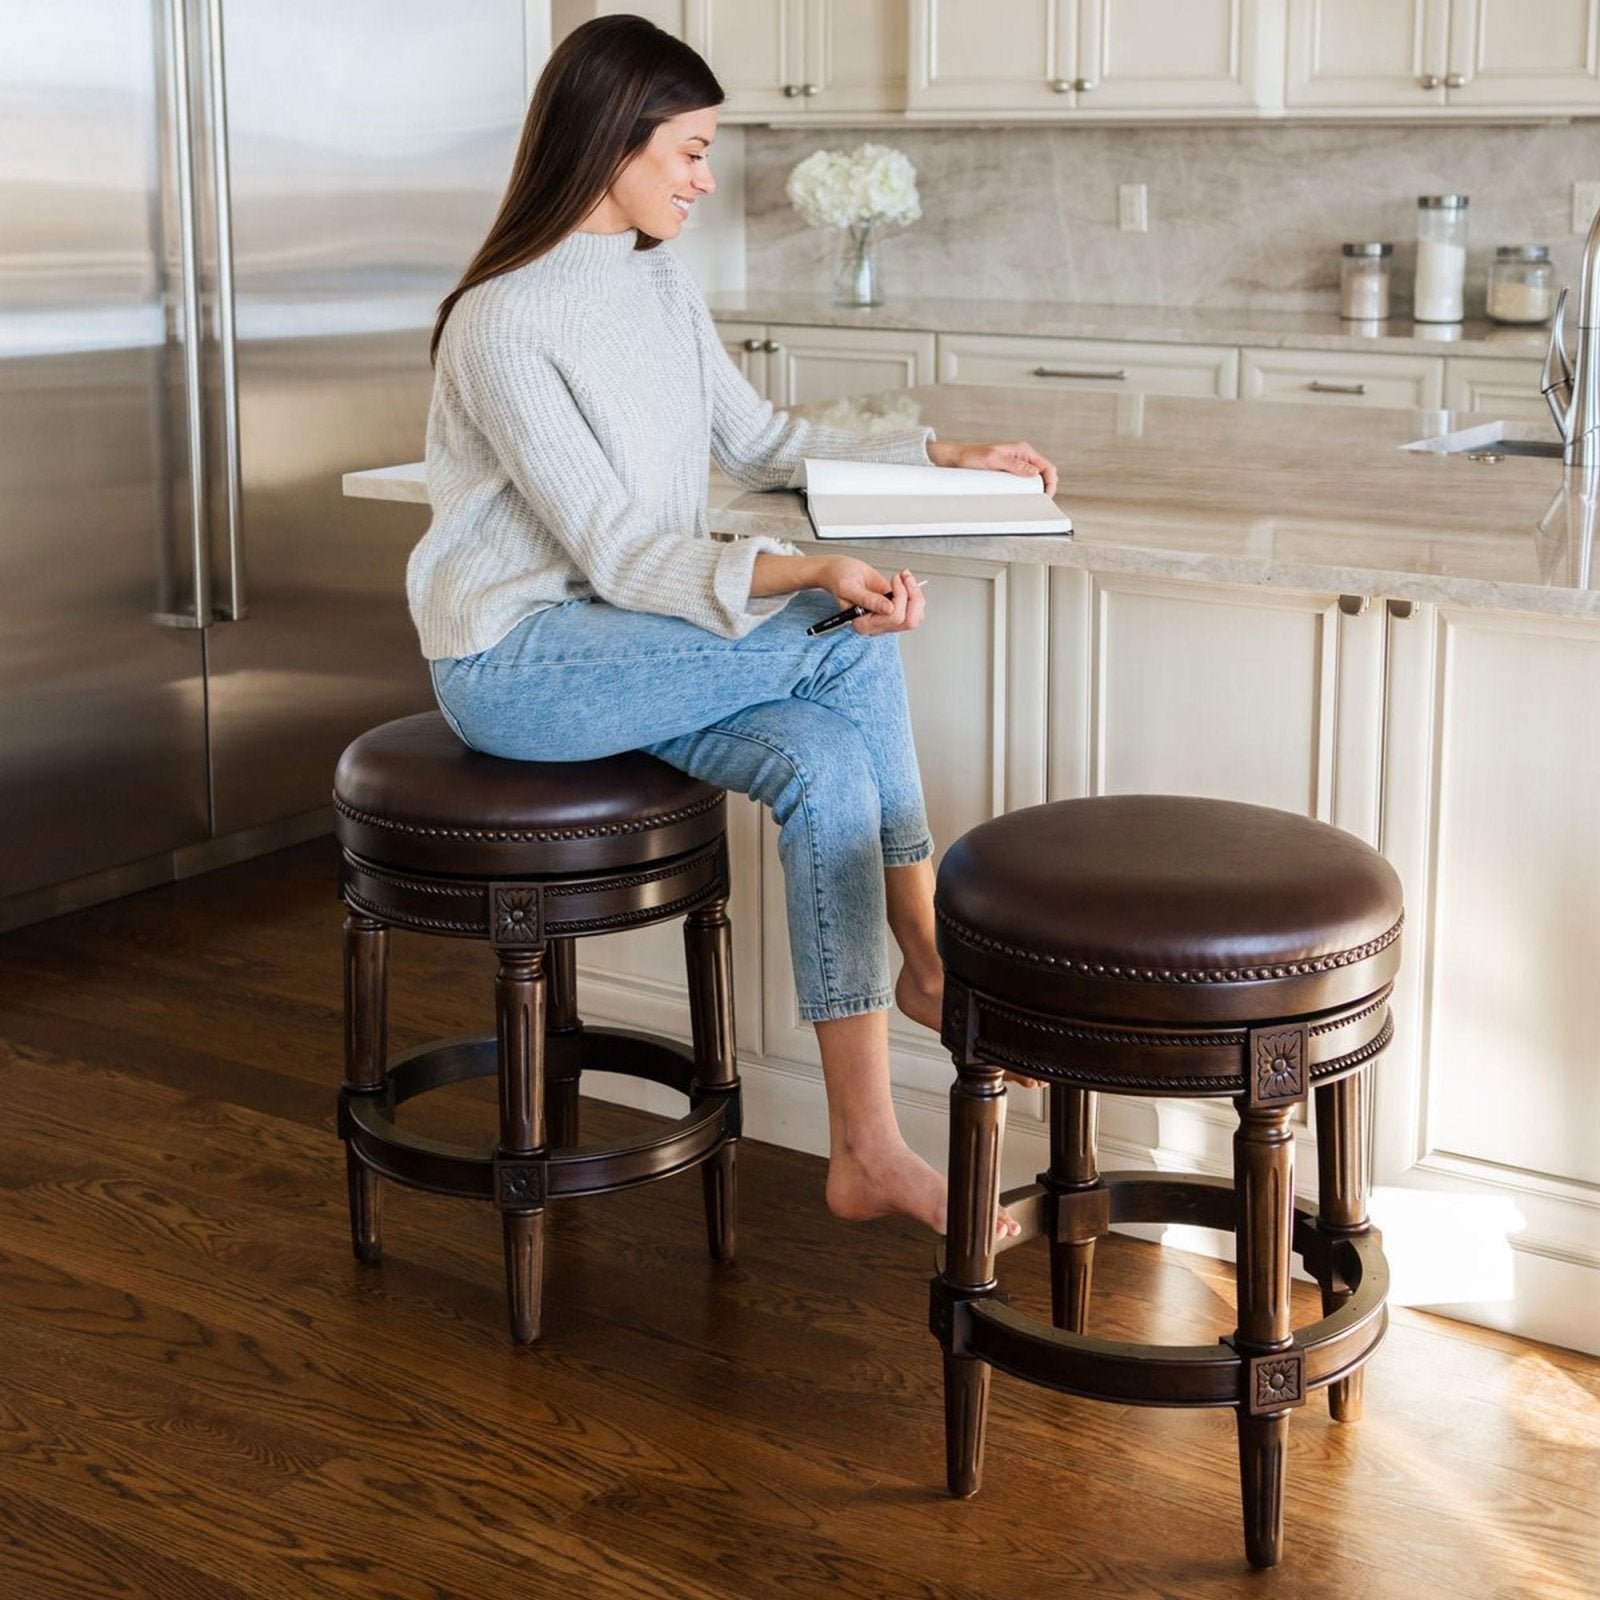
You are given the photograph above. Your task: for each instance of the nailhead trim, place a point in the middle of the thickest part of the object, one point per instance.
(528, 835)
(1106, 969)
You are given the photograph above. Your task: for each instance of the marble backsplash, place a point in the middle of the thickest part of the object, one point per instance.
(1248, 217)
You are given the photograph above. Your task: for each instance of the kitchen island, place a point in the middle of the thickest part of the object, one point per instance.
(1270, 604)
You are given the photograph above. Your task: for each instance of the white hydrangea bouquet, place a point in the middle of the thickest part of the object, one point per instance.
(859, 192)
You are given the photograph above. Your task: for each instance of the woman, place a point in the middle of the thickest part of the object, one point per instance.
(571, 605)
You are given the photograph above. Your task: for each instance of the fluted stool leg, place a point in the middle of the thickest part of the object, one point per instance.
(1343, 1182)
(520, 1020)
(1074, 1114)
(977, 1116)
(563, 1043)
(1263, 1161)
(366, 1011)
(708, 953)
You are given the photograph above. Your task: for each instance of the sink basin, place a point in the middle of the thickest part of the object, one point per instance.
(1493, 440)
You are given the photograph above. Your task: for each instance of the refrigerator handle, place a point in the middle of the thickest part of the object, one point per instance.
(188, 332)
(232, 607)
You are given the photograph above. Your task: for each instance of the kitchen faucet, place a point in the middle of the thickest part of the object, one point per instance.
(1578, 413)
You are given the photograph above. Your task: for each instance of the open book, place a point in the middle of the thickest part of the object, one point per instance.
(872, 500)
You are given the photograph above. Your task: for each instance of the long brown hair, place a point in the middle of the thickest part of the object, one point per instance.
(605, 90)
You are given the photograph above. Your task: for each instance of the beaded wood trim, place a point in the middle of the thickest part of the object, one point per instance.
(1107, 969)
(530, 835)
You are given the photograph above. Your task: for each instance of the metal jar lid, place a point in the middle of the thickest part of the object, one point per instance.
(1370, 249)
(1442, 202)
(1522, 252)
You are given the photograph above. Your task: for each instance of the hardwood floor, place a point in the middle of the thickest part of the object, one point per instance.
(203, 1395)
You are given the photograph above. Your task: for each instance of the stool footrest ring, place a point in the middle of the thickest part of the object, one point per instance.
(984, 1327)
(366, 1123)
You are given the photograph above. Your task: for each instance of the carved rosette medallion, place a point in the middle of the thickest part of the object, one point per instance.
(1279, 1065)
(1277, 1382)
(515, 919)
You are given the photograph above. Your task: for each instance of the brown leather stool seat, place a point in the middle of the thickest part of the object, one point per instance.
(1163, 945)
(529, 856)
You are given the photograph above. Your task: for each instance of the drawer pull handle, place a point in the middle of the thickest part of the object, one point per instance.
(771, 346)
(1431, 80)
(1354, 605)
(1061, 85)
(752, 344)
(1455, 80)
(1400, 609)
(1317, 386)
(1109, 376)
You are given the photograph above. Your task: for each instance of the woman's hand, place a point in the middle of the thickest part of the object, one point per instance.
(1020, 458)
(893, 605)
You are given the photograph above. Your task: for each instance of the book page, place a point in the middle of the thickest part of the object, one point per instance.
(878, 477)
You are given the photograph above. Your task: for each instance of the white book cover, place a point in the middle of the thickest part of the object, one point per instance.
(877, 500)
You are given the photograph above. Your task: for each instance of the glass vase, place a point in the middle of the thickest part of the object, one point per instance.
(856, 279)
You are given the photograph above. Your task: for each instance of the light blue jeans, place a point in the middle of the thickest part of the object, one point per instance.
(816, 729)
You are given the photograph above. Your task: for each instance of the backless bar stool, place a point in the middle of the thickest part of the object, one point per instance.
(1161, 945)
(530, 856)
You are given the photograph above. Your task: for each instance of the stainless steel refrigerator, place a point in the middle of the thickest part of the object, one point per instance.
(225, 226)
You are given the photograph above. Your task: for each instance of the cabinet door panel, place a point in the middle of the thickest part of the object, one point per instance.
(992, 55)
(746, 342)
(1336, 377)
(1535, 53)
(856, 53)
(814, 364)
(1372, 53)
(1205, 690)
(757, 50)
(1165, 55)
(1089, 365)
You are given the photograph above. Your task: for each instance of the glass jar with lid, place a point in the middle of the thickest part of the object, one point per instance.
(1364, 282)
(1441, 258)
(1521, 284)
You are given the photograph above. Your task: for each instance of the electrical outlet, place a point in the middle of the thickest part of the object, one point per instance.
(1133, 207)
(1585, 202)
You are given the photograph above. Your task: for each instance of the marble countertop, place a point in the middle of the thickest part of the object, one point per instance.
(1295, 497)
(1058, 319)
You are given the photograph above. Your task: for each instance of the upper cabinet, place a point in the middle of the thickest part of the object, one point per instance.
(1047, 58)
(1472, 55)
(812, 58)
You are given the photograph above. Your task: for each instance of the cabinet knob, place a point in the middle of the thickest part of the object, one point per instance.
(811, 88)
(752, 345)
(1061, 85)
(771, 346)
(1455, 80)
(1430, 80)
(1083, 85)
(791, 91)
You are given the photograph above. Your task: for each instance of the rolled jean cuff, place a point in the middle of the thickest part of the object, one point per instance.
(908, 855)
(855, 1006)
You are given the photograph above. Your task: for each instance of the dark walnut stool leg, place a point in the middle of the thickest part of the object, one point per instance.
(520, 1021)
(366, 1028)
(563, 1044)
(976, 1102)
(1272, 1372)
(708, 955)
(1073, 1117)
(1343, 1185)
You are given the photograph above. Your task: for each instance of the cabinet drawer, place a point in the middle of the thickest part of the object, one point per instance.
(1097, 365)
(1503, 388)
(1337, 378)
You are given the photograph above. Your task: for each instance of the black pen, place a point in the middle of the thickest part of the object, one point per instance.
(849, 614)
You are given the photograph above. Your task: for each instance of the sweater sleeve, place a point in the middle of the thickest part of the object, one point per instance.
(531, 419)
(762, 448)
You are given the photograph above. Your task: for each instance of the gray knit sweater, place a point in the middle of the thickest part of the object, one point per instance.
(577, 404)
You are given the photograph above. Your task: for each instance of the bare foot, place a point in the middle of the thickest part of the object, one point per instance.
(924, 1002)
(894, 1180)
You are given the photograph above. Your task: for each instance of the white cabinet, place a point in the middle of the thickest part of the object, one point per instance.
(1118, 366)
(1488, 1103)
(1341, 377)
(795, 365)
(811, 58)
(1470, 55)
(1504, 388)
(1047, 58)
